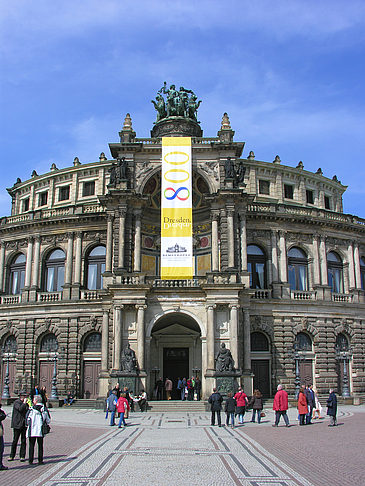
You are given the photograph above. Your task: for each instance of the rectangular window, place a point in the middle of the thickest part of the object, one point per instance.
(288, 191)
(264, 187)
(26, 204)
(43, 198)
(88, 188)
(310, 197)
(327, 202)
(64, 193)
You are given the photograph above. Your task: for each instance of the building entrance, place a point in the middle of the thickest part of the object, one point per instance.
(175, 365)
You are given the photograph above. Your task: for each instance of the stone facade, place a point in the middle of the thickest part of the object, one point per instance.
(277, 263)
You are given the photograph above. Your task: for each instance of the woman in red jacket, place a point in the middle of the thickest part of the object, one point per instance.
(122, 407)
(302, 406)
(241, 400)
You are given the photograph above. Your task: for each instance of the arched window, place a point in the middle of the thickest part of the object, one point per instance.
(49, 344)
(342, 343)
(10, 345)
(259, 342)
(55, 271)
(297, 269)
(256, 265)
(335, 272)
(92, 343)
(303, 342)
(362, 272)
(95, 268)
(17, 274)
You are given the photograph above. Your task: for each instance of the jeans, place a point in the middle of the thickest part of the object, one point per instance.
(254, 415)
(281, 413)
(230, 415)
(218, 417)
(23, 442)
(112, 418)
(121, 420)
(31, 448)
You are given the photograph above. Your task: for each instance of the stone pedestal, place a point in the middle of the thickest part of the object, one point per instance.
(134, 381)
(176, 126)
(227, 382)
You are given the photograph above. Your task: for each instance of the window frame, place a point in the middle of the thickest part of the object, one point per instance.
(56, 264)
(332, 267)
(253, 259)
(42, 199)
(86, 185)
(99, 261)
(291, 188)
(60, 193)
(297, 263)
(264, 182)
(19, 270)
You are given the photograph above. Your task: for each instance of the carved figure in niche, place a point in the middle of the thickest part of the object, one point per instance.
(121, 169)
(230, 172)
(113, 175)
(224, 360)
(241, 174)
(160, 107)
(129, 361)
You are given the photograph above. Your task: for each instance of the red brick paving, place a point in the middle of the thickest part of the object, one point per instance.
(323, 455)
(59, 444)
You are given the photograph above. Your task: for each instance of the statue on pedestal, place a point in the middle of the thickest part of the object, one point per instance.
(129, 361)
(229, 170)
(224, 360)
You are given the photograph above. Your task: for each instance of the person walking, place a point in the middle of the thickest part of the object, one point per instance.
(230, 408)
(198, 388)
(112, 406)
(215, 401)
(20, 409)
(257, 405)
(37, 417)
(242, 401)
(123, 408)
(311, 402)
(2, 417)
(168, 388)
(318, 407)
(332, 408)
(302, 407)
(281, 406)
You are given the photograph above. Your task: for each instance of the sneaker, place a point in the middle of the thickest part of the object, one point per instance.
(3, 468)
(10, 458)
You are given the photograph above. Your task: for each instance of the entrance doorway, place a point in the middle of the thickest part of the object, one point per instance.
(306, 372)
(175, 365)
(46, 375)
(261, 379)
(91, 375)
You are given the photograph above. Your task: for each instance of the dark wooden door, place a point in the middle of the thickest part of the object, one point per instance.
(91, 371)
(261, 380)
(306, 372)
(45, 375)
(12, 373)
(175, 365)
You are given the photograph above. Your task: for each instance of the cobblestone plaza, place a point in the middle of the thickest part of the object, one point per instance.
(161, 449)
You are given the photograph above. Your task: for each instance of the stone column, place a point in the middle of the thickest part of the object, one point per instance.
(36, 259)
(357, 265)
(234, 334)
(78, 255)
(230, 231)
(215, 247)
(350, 257)
(243, 238)
(316, 267)
(117, 337)
(28, 266)
(105, 341)
(2, 266)
(137, 241)
(246, 341)
(109, 244)
(283, 263)
(323, 260)
(274, 257)
(122, 214)
(210, 336)
(69, 259)
(141, 336)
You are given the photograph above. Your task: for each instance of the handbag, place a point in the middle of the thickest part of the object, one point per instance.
(263, 414)
(46, 429)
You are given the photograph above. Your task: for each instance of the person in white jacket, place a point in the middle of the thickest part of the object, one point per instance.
(36, 419)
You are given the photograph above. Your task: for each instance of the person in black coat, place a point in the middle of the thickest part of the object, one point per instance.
(332, 408)
(198, 387)
(215, 401)
(230, 408)
(20, 408)
(311, 401)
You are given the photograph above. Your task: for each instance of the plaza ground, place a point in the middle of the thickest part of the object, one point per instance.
(158, 449)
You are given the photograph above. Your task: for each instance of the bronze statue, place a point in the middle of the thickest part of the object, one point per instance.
(241, 174)
(178, 103)
(129, 361)
(224, 360)
(113, 175)
(229, 170)
(160, 107)
(121, 169)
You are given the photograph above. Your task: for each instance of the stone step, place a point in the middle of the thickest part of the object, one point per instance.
(177, 406)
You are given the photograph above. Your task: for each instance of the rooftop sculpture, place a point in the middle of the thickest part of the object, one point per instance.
(182, 103)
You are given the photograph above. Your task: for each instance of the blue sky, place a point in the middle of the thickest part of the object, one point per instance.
(290, 74)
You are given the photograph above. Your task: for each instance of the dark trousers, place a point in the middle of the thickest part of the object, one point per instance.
(23, 442)
(1, 450)
(198, 395)
(302, 419)
(280, 413)
(32, 441)
(218, 417)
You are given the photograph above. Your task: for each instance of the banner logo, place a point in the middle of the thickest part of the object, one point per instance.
(175, 193)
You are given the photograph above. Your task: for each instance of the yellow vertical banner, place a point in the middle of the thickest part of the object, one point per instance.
(176, 209)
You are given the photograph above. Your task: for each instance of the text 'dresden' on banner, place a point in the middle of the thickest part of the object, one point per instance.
(176, 209)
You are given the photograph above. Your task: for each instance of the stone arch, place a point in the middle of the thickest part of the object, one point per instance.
(9, 328)
(258, 325)
(46, 328)
(92, 326)
(176, 311)
(307, 327)
(345, 329)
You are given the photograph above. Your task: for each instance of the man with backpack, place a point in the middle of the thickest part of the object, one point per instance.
(215, 401)
(112, 405)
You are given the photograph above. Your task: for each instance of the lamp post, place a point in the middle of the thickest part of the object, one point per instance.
(344, 355)
(55, 356)
(6, 354)
(298, 357)
(196, 371)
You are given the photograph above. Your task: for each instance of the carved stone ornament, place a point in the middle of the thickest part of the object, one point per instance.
(8, 324)
(211, 168)
(48, 323)
(93, 321)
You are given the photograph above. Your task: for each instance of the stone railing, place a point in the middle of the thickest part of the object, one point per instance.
(10, 299)
(195, 282)
(49, 296)
(90, 295)
(342, 297)
(54, 213)
(18, 219)
(149, 141)
(261, 294)
(303, 295)
(93, 208)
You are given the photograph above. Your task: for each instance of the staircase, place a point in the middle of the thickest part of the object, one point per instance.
(177, 406)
